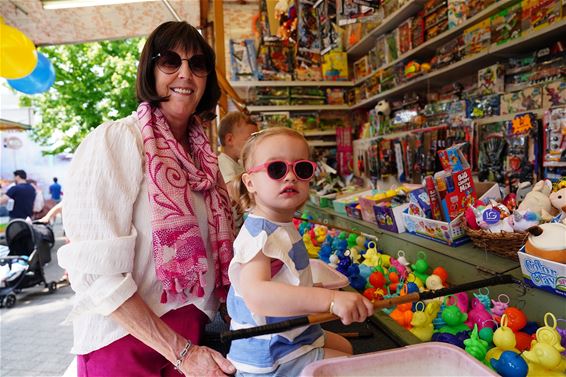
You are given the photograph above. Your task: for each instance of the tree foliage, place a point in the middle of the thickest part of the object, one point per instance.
(95, 82)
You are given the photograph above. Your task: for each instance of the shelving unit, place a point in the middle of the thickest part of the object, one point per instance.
(257, 109)
(469, 65)
(505, 118)
(252, 84)
(388, 24)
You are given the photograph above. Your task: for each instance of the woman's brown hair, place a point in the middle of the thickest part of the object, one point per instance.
(169, 36)
(237, 188)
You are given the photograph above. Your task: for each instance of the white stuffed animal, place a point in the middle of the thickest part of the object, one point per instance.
(538, 200)
(558, 201)
(383, 108)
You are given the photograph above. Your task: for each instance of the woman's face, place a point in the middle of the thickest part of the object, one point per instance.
(184, 88)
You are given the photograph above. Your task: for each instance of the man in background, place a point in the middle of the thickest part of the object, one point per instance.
(235, 129)
(55, 190)
(22, 195)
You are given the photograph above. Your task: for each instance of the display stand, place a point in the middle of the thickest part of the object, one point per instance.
(464, 263)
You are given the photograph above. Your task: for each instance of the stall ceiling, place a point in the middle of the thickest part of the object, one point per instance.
(94, 23)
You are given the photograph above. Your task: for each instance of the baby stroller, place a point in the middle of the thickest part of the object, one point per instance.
(29, 250)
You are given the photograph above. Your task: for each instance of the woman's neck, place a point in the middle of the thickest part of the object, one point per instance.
(179, 128)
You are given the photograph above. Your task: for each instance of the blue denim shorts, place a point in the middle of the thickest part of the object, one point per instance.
(292, 368)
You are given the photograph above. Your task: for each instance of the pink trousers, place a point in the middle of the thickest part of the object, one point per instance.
(130, 357)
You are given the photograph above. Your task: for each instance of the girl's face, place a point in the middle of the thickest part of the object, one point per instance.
(277, 200)
(184, 88)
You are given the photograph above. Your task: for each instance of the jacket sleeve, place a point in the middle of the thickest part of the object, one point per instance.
(102, 186)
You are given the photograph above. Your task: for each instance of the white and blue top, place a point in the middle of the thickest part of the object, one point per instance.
(283, 244)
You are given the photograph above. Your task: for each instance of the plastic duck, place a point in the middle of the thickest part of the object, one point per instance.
(441, 272)
(320, 233)
(454, 319)
(544, 358)
(420, 267)
(503, 339)
(402, 313)
(516, 319)
(371, 256)
(422, 323)
(401, 269)
(500, 305)
(478, 315)
(510, 364)
(484, 298)
(312, 250)
(401, 258)
(476, 346)
(461, 300)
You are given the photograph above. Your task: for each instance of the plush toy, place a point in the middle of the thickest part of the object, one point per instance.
(524, 219)
(522, 191)
(558, 201)
(547, 241)
(538, 200)
(383, 108)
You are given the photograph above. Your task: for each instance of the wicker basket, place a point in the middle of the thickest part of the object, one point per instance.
(504, 244)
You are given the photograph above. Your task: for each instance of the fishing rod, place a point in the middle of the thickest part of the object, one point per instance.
(313, 319)
(338, 227)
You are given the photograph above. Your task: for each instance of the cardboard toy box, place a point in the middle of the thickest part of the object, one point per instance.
(448, 233)
(491, 80)
(543, 274)
(554, 94)
(335, 66)
(522, 100)
(367, 204)
(390, 218)
(340, 204)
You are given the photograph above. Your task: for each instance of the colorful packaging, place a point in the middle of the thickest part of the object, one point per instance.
(456, 13)
(361, 68)
(404, 36)
(477, 38)
(335, 66)
(436, 212)
(491, 80)
(554, 94)
(522, 100)
(506, 25)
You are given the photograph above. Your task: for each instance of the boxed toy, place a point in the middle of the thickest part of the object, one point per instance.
(391, 50)
(335, 66)
(554, 94)
(538, 14)
(506, 24)
(522, 100)
(361, 68)
(456, 13)
(543, 274)
(491, 80)
(390, 217)
(418, 30)
(243, 60)
(477, 37)
(404, 36)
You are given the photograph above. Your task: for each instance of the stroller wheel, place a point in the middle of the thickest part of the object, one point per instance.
(52, 287)
(9, 300)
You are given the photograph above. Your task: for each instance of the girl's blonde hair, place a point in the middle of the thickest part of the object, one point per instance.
(237, 189)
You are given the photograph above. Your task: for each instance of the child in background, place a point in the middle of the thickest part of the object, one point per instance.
(270, 273)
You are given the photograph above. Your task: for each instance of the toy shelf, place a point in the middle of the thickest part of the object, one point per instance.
(252, 84)
(388, 24)
(257, 109)
(319, 143)
(471, 64)
(505, 118)
(431, 45)
(319, 132)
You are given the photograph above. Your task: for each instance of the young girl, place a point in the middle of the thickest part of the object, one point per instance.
(270, 273)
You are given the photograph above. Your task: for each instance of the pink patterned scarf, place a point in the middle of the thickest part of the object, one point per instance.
(178, 249)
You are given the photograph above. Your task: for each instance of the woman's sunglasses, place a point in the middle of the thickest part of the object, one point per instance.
(278, 169)
(169, 62)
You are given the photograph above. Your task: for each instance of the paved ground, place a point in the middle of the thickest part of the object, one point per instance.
(34, 341)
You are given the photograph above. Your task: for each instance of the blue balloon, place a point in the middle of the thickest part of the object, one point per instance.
(40, 80)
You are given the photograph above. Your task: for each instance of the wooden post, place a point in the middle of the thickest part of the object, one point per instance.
(220, 50)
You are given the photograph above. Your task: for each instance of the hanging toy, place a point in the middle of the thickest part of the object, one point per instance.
(503, 339)
(476, 346)
(499, 306)
(461, 300)
(420, 267)
(422, 324)
(442, 274)
(510, 364)
(544, 358)
(401, 269)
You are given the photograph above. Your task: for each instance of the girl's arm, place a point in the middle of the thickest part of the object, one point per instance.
(268, 298)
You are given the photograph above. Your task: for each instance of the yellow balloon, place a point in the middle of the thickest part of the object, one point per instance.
(18, 56)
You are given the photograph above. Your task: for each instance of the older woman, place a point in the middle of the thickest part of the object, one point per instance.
(149, 222)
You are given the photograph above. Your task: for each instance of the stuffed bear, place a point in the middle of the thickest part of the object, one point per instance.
(558, 201)
(538, 201)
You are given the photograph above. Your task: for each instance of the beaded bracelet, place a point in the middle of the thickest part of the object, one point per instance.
(182, 355)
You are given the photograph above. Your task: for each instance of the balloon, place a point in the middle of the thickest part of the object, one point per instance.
(18, 56)
(39, 80)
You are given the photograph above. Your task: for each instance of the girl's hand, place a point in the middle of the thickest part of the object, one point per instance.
(203, 361)
(351, 307)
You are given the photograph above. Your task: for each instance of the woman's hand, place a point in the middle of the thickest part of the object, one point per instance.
(203, 361)
(351, 307)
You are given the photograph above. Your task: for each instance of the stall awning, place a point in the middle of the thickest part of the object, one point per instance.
(8, 125)
(93, 23)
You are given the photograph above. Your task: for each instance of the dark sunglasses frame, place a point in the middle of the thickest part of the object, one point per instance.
(190, 61)
(288, 164)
